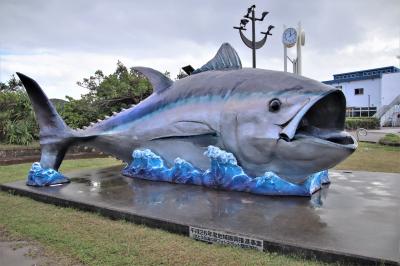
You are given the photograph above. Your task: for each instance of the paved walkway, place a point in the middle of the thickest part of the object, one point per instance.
(353, 220)
(374, 135)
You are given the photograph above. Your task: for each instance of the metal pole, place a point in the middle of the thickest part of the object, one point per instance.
(298, 61)
(295, 66)
(369, 102)
(284, 53)
(253, 25)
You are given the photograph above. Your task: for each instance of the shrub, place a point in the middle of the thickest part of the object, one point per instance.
(390, 139)
(17, 120)
(18, 133)
(353, 123)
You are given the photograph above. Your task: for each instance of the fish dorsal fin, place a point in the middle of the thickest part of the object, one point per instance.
(159, 81)
(225, 59)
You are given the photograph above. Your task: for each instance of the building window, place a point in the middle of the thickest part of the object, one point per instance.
(359, 91)
(339, 87)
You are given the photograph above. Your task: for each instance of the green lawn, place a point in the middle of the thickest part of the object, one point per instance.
(14, 172)
(94, 240)
(4, 146)
(373, 157)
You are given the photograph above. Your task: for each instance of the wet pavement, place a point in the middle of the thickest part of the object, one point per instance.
(16, 253)
(355, 219)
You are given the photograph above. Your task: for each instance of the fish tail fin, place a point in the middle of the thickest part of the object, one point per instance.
(55, 135)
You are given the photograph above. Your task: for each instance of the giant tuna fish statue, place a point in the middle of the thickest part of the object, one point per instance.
(224, 126)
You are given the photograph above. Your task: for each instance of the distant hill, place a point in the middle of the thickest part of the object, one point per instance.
(58, 103)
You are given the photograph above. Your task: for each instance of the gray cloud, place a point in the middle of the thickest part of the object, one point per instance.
(188, 30)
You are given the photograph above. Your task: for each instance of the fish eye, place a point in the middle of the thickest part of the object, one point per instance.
(274, 105)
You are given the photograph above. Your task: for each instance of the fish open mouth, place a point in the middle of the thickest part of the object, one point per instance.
(323, 120)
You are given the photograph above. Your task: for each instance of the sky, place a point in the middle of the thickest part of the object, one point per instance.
(60, 42)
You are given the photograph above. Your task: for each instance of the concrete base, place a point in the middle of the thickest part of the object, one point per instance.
(354, 220)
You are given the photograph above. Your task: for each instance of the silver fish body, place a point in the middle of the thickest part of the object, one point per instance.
(270, 121)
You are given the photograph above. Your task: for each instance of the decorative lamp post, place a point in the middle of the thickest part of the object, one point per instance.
(253, 44)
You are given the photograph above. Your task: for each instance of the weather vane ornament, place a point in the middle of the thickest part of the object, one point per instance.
(225, 127)
(253, 44)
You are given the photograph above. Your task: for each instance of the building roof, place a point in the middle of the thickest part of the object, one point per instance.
(362, 74)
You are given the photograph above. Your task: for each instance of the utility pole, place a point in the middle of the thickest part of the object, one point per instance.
(253, 44)
(398, 56)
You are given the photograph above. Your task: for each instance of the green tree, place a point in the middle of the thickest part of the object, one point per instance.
(13, 84)
(107, 94)
(181, 75)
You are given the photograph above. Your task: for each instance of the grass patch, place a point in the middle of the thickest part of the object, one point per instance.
(15, 172)
(95, 240)
(5, 146)
(373, 157)
(390, 139)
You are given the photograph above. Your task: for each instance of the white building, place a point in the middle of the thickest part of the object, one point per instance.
(368, 90)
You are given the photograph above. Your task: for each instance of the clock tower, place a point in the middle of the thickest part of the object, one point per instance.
(291, 37)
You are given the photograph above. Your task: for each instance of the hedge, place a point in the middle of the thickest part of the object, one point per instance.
(390, 139)
(353, 123)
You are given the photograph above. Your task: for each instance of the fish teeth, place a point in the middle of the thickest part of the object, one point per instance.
(91, 123)
(114, 113)
(84, 127)
(99, 120)
(106, 117)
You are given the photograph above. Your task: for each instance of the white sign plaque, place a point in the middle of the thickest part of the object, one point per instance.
(213, 236)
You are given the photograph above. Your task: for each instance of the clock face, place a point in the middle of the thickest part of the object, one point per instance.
(289, 37)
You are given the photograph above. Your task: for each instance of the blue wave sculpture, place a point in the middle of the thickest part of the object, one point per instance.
(40, 177)
(224, 173)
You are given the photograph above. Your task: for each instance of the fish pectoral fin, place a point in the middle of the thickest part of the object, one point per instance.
(186, 129)
(193, 128)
